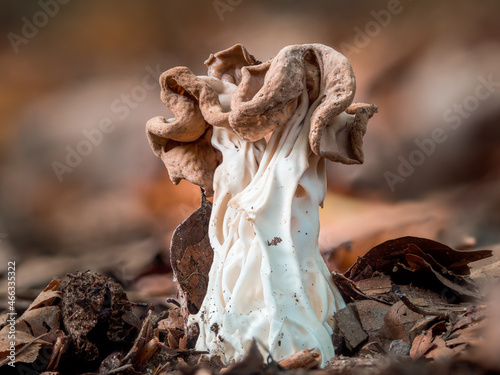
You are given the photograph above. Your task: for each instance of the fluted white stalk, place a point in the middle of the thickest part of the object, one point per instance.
(268, 280)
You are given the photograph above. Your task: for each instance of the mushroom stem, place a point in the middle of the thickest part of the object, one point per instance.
(268, 279)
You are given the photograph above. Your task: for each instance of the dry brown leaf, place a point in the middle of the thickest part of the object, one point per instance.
(40, 320)
(471, 335)
(26, 346)
(398, 322)
(60, 347)
(191, 257)
(147, 352)
(350, 328)
(350, 291)
(145, 335)
(48, 296)
(416, 261)
(384, 257)
(422, 325)
(371, 315)
(171, 341)
(175, 320)
(441, 350)
(422, 344)
(375, 286)
(304, 359)
(183, 343)
(467, 289)
(30, 354)
(35, 323)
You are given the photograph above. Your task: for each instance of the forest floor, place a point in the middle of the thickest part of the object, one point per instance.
(414, 306)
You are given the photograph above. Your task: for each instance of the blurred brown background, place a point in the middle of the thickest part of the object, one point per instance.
(72, 70)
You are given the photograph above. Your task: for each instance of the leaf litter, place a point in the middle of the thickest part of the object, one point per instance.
(411, 308)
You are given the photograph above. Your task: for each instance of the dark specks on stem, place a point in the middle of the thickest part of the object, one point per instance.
(274, 241)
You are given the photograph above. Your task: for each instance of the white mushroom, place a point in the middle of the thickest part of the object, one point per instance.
(268, 280)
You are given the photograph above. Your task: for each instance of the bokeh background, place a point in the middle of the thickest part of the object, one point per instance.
(68, 67)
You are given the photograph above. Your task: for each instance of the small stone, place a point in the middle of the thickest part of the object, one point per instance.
(399, 348)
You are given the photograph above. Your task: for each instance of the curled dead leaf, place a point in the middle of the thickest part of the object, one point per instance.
(191, 257)
(419, 261)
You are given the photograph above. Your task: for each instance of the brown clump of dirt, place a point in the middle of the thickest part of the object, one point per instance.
(96, 314)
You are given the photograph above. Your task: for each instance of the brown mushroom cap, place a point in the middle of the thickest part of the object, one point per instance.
(296, 68)
(184, 144)
(226, 65)
(345, 143)
(266, 97)
(192, 161)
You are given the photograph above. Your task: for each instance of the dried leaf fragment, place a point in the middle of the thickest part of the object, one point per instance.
(385, 256)
(418, 261)
(350, 328)
(32, 329)
(304, 359)
(48, 296)
(191, 257)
